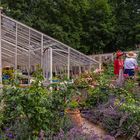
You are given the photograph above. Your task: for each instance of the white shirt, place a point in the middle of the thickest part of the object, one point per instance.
(130, 63)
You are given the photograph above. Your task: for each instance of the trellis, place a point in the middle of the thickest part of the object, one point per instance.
(24, 48)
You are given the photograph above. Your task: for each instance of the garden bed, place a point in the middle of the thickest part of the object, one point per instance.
(33, 111)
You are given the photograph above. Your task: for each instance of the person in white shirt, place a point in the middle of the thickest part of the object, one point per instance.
(130, 64)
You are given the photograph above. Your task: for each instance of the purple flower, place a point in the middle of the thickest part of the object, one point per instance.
(94, 137)
(10, 135)
(108, 137)
(6, 129)
(61, 135)
(74, 131)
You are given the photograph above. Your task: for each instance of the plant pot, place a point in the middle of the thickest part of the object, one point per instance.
(75, 116)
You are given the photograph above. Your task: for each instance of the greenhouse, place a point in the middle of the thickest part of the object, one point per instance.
(88, 89)
(23, 49)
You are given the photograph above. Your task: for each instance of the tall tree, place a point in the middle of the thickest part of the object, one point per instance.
(98, 26)
(90, 26)
(127, 16)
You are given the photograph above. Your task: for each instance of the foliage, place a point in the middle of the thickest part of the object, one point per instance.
(127, 17)
(131, 106)
(89, 26)
(73, 105)
(137, 33)
(8, 75)
(99, 92)
(95, 86)
(117, 109)
(109, 71)
(128, 108)
(27, 111)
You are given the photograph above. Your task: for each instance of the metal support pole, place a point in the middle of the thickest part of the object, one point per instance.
(51, 65)
(0, 48)
(68, 63)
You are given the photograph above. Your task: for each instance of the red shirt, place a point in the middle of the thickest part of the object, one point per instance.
(118, 64)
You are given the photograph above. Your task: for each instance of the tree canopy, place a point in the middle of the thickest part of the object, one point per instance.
(90, 26)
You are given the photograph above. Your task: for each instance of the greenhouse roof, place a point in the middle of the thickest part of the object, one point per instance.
(17, 35)
(23, 45)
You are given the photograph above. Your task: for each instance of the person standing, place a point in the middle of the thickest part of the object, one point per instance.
(118, 63)
(130, 64)
(118, 69)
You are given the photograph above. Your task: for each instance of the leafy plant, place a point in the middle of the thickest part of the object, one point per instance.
(8, 75)
(28, 111)
(73, 105)
(117, 109)
(99, 93)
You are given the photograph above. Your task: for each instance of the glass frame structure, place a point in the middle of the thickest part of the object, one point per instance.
(23, 47)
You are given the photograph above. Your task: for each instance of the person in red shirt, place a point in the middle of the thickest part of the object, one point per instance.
(118, 63)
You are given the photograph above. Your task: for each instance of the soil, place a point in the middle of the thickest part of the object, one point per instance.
(89, 127)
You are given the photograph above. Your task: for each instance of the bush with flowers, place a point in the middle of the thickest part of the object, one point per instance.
(35, 111)
(116, 109)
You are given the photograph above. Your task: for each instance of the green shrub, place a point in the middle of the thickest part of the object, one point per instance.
(27, 111)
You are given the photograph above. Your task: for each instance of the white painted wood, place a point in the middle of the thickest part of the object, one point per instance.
(68, 64)
(0, 51)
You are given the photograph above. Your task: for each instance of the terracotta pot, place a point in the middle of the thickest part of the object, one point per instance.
(75, 116)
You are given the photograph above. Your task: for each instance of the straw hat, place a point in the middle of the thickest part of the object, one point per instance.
(131, 54)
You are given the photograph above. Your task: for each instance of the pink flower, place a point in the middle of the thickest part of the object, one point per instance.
(125, 75)
(92, 86)
(98, 70)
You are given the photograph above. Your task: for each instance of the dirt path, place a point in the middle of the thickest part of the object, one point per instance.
(87, 126)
